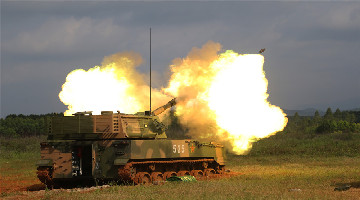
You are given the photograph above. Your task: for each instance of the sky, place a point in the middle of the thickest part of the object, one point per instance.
(312, 57)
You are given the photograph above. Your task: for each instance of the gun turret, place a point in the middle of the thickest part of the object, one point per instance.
(161, 109)
(109, 125)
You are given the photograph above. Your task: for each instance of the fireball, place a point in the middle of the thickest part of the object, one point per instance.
(220, 96)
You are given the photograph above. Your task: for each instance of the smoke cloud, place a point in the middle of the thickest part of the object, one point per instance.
(115, 85)
(221, 97)
(190, 80)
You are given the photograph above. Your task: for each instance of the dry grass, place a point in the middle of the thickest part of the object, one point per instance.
(17, 171)
(263, 177)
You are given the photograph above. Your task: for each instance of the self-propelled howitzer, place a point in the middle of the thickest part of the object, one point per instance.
(122, 147)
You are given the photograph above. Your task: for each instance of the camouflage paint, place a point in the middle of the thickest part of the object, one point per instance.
(95, 146)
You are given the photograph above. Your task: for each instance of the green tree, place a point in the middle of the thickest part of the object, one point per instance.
(25, 125)
(338, 114)
(328, 115)
(6, 131)
(296, 118)
(350, 117)
(327, 126)
(317, 117)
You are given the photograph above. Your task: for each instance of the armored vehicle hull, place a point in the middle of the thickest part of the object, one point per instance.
(137, 161)
(122, 147)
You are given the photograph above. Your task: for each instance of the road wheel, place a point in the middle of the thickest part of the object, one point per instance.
(198, 174)
(209, 172)
(220, 169)
(183, 173)
(45, 176)
(143, 178)
(169, 174)
(156, 178)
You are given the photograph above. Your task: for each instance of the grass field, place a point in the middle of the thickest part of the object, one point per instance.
(312, 174)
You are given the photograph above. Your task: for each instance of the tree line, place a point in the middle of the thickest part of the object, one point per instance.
(331, 122)
(26, 125)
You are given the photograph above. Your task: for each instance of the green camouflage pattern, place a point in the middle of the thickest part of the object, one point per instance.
(96, 146)
(107, 155)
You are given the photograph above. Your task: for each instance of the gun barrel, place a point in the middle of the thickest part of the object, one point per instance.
(161, 109)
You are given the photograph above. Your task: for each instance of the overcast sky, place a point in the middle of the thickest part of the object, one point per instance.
(312, 57)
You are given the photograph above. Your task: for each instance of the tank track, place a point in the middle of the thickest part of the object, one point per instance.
(45, 176)
(147, 172)
(152, 172)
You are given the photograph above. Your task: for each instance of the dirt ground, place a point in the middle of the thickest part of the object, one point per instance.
(31, 187)
(17, 183)
(273, 178)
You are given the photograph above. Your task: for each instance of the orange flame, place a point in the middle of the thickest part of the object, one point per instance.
(220, 97)
(116, 85)
(224, 97)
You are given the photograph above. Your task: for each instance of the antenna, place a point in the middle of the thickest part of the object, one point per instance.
(150, 70)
